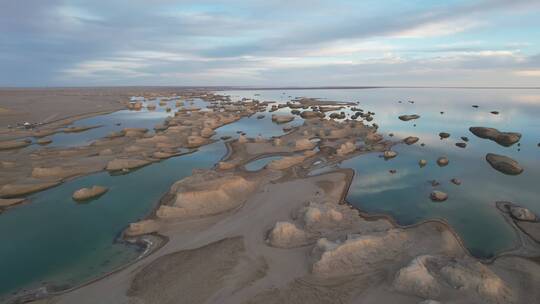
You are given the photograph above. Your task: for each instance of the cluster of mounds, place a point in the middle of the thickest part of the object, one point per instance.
(292, 240)
(335, 140)
(207, 193)
(500, 163)
(28, 171)
(425, 263)
(437, 276)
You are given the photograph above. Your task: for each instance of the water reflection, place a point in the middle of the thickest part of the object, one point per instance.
(405, 195)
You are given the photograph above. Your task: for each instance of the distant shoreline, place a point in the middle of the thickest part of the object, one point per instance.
(244, 88)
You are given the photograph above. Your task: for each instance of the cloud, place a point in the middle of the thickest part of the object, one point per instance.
(437, 29)
(304, 42)
(528, 73)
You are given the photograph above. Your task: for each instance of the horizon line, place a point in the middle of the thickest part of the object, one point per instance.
(228, 87)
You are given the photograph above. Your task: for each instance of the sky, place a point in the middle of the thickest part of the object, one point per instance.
(270, 43)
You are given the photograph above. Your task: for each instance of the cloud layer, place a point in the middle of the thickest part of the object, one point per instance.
(270, 43)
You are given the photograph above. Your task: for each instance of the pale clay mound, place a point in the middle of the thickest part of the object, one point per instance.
(354, 255)
(89, 193)
(429, 276)
(54, 172)
(289, 161)
(13, 144)
(141, 228)
(304, 144)
(121, 164)
(206, 194)
(282, 118)
(416, 279)
(287, 235)
(320, 216)
(14, 190)
(346, 148)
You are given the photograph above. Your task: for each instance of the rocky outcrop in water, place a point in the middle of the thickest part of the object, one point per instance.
(409, 117)
(522, 214)
(456, 181)
(442, 161)
(438, 196)
(44, 141)
(444, 135)
(89, 193)
(311, 114)
(78, 129)
(506, 139)
(389, 154)
(504, 164)
(282, 118)
(411, 140)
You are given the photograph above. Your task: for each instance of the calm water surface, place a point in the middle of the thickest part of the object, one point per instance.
(470, 208)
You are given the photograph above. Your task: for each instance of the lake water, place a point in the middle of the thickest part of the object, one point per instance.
(470, 208)
(114, 122)
(59, 241)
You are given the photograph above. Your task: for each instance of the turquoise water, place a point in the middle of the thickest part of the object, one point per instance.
(470, 208)
(113, 122)
(56, 240)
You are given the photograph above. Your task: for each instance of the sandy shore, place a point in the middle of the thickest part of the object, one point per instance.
(281, 235)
